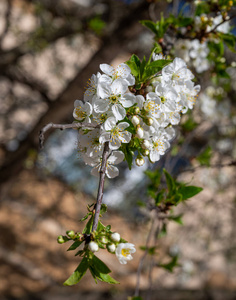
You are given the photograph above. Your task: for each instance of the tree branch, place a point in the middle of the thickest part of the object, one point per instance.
(101, 186)
(62, 127)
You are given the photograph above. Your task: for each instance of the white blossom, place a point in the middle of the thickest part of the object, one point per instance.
(124, 251)
(93, 246)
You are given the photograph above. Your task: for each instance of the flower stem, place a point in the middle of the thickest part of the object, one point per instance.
(101, 186)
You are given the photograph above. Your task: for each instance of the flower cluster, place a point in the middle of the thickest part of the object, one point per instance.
(123, 251)
(131, 119)
(196, 52)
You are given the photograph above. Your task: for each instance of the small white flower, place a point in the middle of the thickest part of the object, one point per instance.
(115, 236)
(111, 248)
(82, 111)
(122, 71)
(115, 134)
(93, 246)
(124, 251)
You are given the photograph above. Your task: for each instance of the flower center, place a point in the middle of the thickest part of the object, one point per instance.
(114, 131)
(81, 114)
(125, 252)
(163, 100)
(114, 99)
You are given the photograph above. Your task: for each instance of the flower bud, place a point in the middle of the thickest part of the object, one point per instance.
(111, 248)
(93, 246)
(139, 132)
(139, 161)
(115, 236)
(61, 239)
(135, 120)
(146, 144)
(145, 152)
(104, 240)
(70, 234)
(137, 110)
(149, 121)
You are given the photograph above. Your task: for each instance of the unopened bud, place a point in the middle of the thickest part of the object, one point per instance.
(139, 132)
(93, 246)
(139, 161)
(104, 240)
(146, 144)
(149, 121)
(145, 152)
(71, 234)
(137, 110)
(111, 248)
(115, 236)
(135, 120)
(61, 239)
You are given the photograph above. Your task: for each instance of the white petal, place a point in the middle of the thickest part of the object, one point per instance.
(109, 124)
(95, 171)
(114, 144)
(123, 70)
(130, 79)
(104, 137)
(107, 69)
(125, 136)
(118, 111)
(78, 103)
(104, 90)
(139, 100)
(119, 86)
(116, 157)
(112, 171)
(122, 126)
(100, 105)
(154, 156)
(127, 100)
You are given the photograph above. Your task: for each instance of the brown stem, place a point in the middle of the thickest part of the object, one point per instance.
(101, 185)
(62, 127)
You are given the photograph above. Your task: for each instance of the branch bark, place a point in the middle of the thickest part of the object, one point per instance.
(101, 185)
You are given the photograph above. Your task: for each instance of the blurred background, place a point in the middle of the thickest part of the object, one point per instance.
(48, 51)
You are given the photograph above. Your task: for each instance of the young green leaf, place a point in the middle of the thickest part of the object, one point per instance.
(170, 182)
(189, 191)
(171, 265)
(78, 273)
(88, 226)
(99, 265)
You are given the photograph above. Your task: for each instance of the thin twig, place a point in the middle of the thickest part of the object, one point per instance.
(62, 127)
(101, 186)
(7, 21)
(231, 164)
(140, 266)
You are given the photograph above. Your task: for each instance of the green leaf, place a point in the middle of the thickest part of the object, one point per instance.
(170, 182)
(100, 226)
(205, 156)
(159, 197)
(78, 273)
(154, 67)
(100, 266)
(177, 219)
(184, 21)
(75, 245)
(133, 67)
(88, 226)
(135, 298)
(134, 58)
(170, 266)
(150, 25)
(128, 155)
(102, 277)
(97, 25)
(189, 191)
(103, 209)
(229, 40)
(142, 67)
(108, 228)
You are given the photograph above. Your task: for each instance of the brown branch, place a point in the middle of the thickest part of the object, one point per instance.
(62, 127)
(7, 21)
(101, 186)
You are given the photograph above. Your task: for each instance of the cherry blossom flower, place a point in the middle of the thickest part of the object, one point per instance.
(124, 251)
